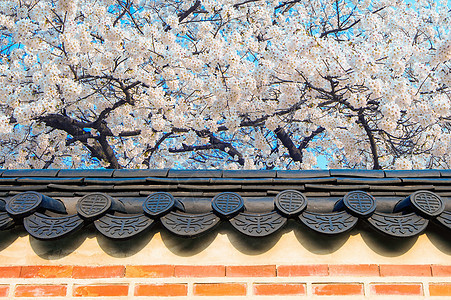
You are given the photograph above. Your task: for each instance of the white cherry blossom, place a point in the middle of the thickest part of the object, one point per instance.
(225, 84)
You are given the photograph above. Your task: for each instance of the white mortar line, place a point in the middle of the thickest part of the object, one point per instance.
(308, 289)
(131, 288)
(366, 288)
(12, 288)
(190, 291)
(249, 287)
(70, 288)
(301, 279)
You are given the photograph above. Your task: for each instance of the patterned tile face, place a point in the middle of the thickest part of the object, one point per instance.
(158, 203)
(291, 202)
(93, 205)
(227, 204)
(360, 203)
(23, 203)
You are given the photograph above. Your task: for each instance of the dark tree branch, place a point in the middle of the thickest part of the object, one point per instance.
(81, 138)
(244, 2)
(286, 3)
(336, 30)
(304, 143)
(49, 162)
(185, 14)
(370, 135)
(294, 152)
(99, 149)
(130, 133)
(151, 151)
(186, 148)
(226, 147)
(124, 11)
(109, 153)
(215, 143)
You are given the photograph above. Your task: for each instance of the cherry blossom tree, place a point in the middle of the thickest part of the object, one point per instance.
(225, 84)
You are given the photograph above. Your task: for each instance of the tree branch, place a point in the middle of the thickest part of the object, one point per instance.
(294, 152)
(243, 3)
(99, 149)
(152, 150)
(338, 29)
(370, 135)
(215, 143)
(226, 147)
(124, 11)
(307, 139)
(190, 10)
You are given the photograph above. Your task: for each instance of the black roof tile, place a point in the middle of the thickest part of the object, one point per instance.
(194, 173)
(412, 173)
(23, 187)
(30, 173)
(337, 187)
(241, 180)
(354, 180)
(4, 180)
(115, 181)
(77, 188)
(248, 173)
(141, 173)
(143, 187)
(86, 173)
(222, 187)
(357, 173)
(304, 180)
(38, 180)
(302, 173)
(441, 180)
(401, 187)
(179, 180)
(298, 187)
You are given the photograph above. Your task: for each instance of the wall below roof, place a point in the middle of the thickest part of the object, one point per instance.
(224, 262)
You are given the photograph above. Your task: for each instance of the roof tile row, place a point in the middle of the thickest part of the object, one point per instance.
(108, 173)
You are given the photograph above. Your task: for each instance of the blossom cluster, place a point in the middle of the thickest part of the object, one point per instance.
(225, 84)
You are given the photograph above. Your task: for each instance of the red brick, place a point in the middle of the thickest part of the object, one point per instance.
(405, 270)
(149, 271)
(353, 270)
(337, 289)
(282, 289)
(161, 290)
(4, 290)
(40, 290)
(199, 271)
(440, 289)
(113, 290)
(411, 289)
(98, 272)
(251, 271)
(220, 289)
(441, 271)
(9, 272)
(46, 271)
(303, 270)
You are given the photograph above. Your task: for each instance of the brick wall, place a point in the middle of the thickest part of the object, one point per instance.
(219, 280)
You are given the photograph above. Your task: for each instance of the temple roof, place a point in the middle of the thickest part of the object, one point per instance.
(123, 203)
